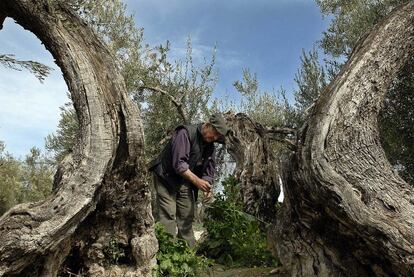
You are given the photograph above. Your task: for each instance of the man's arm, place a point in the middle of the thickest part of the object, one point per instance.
(209, 170)
(180, 156)
(198, 182)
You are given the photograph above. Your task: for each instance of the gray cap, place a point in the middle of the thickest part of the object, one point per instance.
(218, 122)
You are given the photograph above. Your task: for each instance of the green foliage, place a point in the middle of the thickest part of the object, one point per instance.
(40, 70)
(113, 251)
(37, 177)
(63, 142)
(351, 20)
(267, 108)
(117, 29)
(311, 79)
(175, 258)
(234, 237)
(10, 176)
(396, 123)
(23, 181)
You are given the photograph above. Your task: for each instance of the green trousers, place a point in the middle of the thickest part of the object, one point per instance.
(175, 208)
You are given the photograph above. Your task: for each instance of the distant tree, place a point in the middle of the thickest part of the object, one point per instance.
(270, 108)
(62, 142)
(311, 79)
(23, 181)
(178, 92)
(10, 180)
(37, 176)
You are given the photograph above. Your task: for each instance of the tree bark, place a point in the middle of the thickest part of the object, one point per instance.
(257, 166)
(346, 211)
(99, 213)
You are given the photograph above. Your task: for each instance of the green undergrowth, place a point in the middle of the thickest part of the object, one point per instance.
(175, 258)
(234, 237)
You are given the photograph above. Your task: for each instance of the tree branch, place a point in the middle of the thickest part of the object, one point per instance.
(284, 131)
(280, 130)
(176, 103)
(40, 71)
(289, 143)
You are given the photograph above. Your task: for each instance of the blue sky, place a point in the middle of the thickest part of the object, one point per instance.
(266, 36)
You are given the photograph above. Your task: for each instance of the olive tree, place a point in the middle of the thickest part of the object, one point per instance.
(100, 209)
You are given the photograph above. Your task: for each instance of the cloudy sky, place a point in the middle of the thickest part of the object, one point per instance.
(266, 36)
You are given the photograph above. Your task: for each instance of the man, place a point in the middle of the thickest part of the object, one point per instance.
(186, 164)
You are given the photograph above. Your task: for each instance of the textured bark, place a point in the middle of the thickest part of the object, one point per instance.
(346, 211)
(257, 166)
(100, 203)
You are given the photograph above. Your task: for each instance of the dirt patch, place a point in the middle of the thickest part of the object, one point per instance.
(220, 271)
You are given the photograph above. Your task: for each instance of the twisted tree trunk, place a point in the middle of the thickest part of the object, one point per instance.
(346, 211)
(100, 211)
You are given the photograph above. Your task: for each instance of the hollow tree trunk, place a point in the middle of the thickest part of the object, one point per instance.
(346, 211)
(100, 211)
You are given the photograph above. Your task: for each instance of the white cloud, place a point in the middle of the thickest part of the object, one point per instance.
(229, 59)
(29, 109)
(225, 59)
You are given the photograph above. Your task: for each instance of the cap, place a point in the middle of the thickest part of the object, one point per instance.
(218, 122)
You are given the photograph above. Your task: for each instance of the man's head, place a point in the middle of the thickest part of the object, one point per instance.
(215, 130)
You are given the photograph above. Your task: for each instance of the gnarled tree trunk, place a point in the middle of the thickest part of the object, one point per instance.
(100, 211)
(346, 211)
(257, 166)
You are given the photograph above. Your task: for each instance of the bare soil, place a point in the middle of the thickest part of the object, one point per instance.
(221, 271)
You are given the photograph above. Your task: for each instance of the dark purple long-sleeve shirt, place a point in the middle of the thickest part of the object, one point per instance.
(180, 148)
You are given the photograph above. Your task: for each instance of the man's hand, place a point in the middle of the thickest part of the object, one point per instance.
(208, 196)
(198, 182)
(203, 185)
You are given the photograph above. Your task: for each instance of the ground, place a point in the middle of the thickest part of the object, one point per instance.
(221, 271)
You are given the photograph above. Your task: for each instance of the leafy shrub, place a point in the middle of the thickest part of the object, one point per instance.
(175, 258)
(234, 237)
(113, 251)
